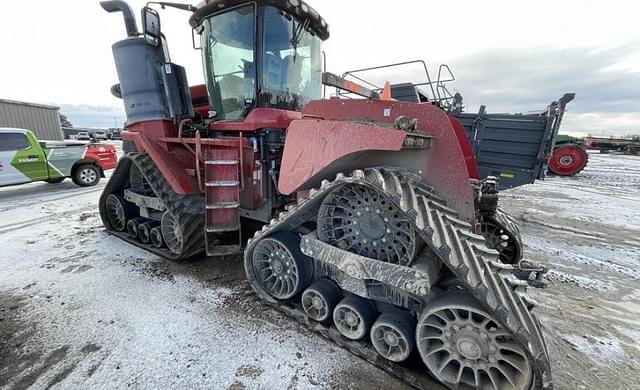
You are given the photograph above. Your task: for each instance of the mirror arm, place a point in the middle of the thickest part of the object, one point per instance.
(184, 7)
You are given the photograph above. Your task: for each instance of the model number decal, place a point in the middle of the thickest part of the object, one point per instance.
(28, 160)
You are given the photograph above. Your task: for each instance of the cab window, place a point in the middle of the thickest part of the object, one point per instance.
(228, 56)
(13, 141)
(291, 62)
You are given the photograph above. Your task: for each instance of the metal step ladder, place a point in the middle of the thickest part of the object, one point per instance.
(222, 200)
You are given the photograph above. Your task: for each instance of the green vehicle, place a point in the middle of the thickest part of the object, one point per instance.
(24, 159)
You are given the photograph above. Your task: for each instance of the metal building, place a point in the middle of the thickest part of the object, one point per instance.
(43, 120)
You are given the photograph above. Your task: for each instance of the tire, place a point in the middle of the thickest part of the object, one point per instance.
(56, 180)
(86, 175)
(568, 160)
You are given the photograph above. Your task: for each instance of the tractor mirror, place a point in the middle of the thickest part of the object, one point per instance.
(151, 26)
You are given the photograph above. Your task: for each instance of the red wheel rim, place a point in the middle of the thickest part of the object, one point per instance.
(568, 160)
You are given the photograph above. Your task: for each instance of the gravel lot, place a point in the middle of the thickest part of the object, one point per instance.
(81, 309)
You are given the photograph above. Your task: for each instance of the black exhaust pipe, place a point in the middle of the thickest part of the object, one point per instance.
(129, 19)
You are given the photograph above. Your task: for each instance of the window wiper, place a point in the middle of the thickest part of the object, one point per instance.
(297, 32)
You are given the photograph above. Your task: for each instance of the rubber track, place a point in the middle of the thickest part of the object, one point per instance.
(451, 239)
(187, 209)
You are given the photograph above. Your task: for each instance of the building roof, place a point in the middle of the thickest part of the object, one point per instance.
(37, 105)
(12, 130)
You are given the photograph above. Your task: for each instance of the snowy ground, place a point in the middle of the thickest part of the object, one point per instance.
(587, 230)
(81, 309)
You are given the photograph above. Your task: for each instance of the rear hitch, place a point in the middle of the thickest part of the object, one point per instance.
(486, 191)
(531, 273)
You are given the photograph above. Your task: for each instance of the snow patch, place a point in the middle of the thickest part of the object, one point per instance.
(605, 351)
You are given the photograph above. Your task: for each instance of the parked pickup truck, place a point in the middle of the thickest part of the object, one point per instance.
(24, 159)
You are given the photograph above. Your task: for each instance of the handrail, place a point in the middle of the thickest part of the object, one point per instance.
(241, 158)
(429, 82)
(198, 152)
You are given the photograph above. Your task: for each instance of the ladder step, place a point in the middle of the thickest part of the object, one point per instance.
(223, 228)
(219, 250)
(223, 205)
(221, 162)
(223, 183)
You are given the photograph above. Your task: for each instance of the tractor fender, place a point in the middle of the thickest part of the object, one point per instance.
(465, 146)
(344, 135)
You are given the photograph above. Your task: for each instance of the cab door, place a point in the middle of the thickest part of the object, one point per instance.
(21, 161)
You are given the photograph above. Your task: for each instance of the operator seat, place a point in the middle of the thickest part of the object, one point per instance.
(234, 89)
(273, 73)
(292, 72)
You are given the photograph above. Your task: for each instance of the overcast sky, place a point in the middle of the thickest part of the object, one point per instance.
(511, 56)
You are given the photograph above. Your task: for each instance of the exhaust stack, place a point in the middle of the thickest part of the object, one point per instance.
(127, 14)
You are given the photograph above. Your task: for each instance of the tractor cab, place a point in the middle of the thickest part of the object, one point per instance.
(260, 54)
(264, 53)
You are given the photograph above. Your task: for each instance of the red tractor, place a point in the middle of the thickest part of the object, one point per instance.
(365, 219)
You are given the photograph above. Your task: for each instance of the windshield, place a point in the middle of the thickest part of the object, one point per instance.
(291, 63)
(228, 57)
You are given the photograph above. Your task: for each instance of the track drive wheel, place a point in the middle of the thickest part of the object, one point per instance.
(568, 160)
(281, 269)
(464, 347)
(363, 221)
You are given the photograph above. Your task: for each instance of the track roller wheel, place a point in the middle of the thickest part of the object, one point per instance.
(319, 300)
(393, 335)
(156, 237)
(144, 231)
(133, 225)
(353, 317)
(464, 347)
(280, 267)
(568, 160)
(118, 212)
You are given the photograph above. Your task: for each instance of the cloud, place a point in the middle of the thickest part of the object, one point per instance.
(90, 116)
(606, 83)
(601, 123)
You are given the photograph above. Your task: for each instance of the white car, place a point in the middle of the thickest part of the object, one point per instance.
(83, 135)
(100, 135)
